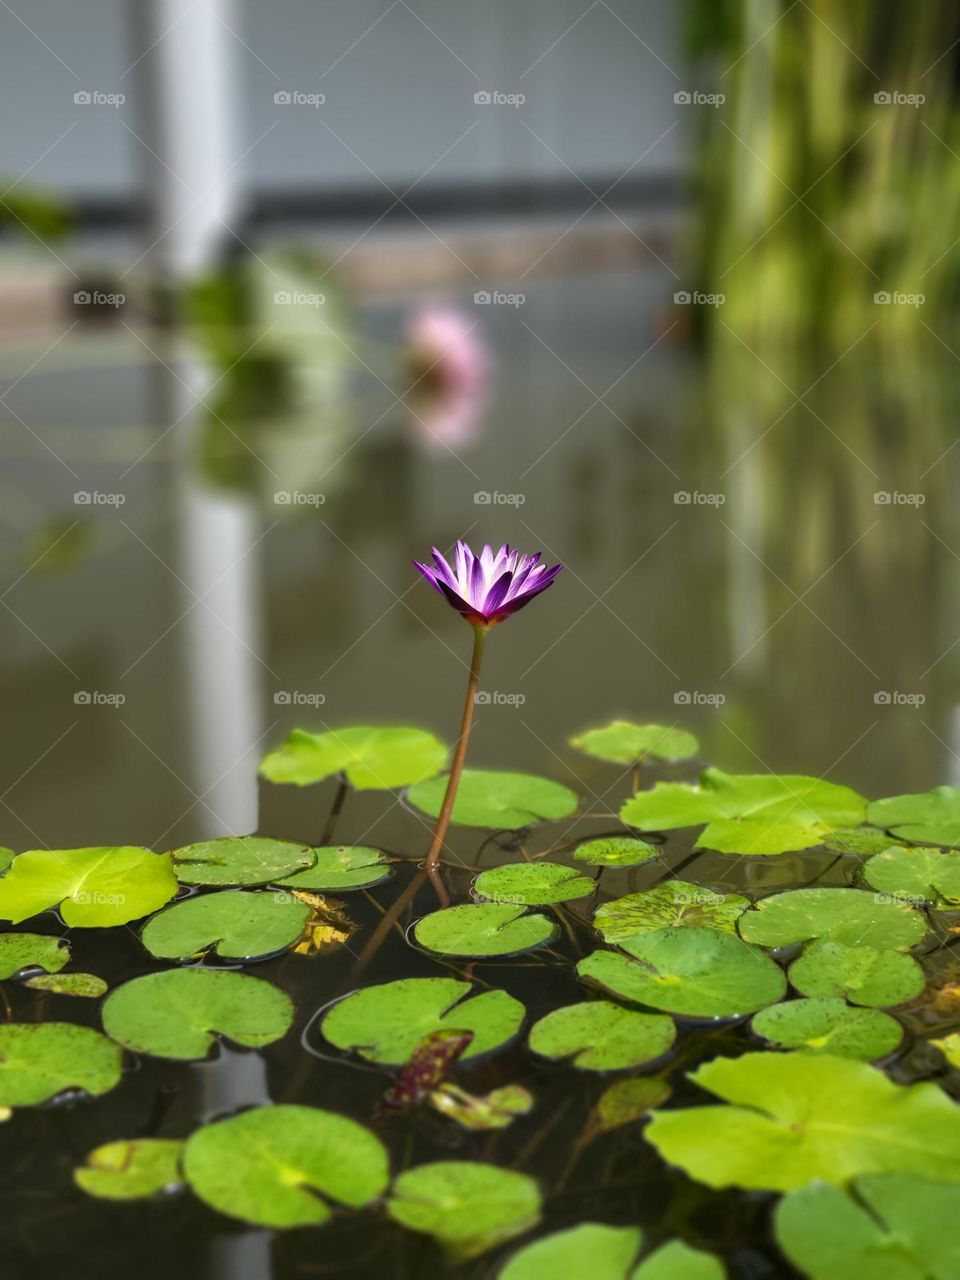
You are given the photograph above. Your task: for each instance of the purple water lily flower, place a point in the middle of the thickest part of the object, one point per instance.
(488, 587)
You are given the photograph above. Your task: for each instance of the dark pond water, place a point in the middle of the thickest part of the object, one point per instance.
(798, 625)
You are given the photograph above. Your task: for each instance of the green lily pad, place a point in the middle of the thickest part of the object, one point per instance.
(486, 798)
(857, 840)
(889, 1226)
(626, 1101)
(131, 1170)
(178, 1013)
(917, 875)
(339, 868)
(600, 1036)
(38, 1060)
(798, 1116)
(748, 813)
(385, 1023)
(850, 916)
(240, 860)
(467, 1206)
(236, 924)
(863, 975)
(929, 817)
(483, 929)
(827, 1024)
(615, 851)
(590, 1249)
(94, 888)
(6, 857)
(371, 759)
(678, 1261)
(949, 1046)
(85, 985)
(279, 1166)
(534, 884)
(32, 951)
(667, 905)
(621, 742)
(693, 972)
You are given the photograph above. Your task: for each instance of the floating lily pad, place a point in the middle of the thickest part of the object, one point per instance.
(850, 916)
(863, 975)
(827, 1024)
(85, 985)
(385, 1023)
(917, 875)
(666, 905)
(339, 868)
(236, 924)
(370, 759)
(626, 1101)
(278, 1166)
(178, 1013)
(799, 1116)
(889, 1226)
(38, 1060)
(32, 951)
(624, 743)
(693, 972)
(486, 798)
(929, 817)
(590, 1249)
(677, 1261)
(6, 857)
(615, 851)
(241, 860)
(857, 840)
(600, 1036)
(534, 884)
(467, 1206)
(94, 888)
(748, 813)
(949, 1046)
(131, 1170)
(483, 929)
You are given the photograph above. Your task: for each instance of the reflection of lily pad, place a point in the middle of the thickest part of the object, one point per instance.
(930, 817)
(600, 1036)
(278, 1166)
(32, 951)
(86, 986)
(94, 888)
(178, 1012)
(370, 758)
(863, 975)
(624, 743)
(828, 1024)
(385, 1023)
(918, 875)
(615, 851)
(798, 1116)
(467, 1206)
(850, 916)
(341, 867)
(38, 1060)
(534, 884)
(590, 1249)
(486, 798)
(131, 1170)
(669, 904)
(693, 972)
(240, 860)
(236, 924)
(483, 929)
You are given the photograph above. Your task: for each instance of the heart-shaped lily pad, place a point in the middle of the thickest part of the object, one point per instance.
(697, 973)
(624, 743)
(534, 884)
(483, 929)
(600, 1036)
(857, 840)
(237, 924)
(467, 1206)
(369, 758)
(795, 1117)
(850, 916)
(86, 986)
(916, 875)
(339, 868)
(486, 798)
(94, 888)
(131, 1170)
(240, 860)
(828, 1024)
(669, 904)
(178, 1013)
(930, 817)
(615, 851)
(385, 1023)
(32, 951)
(870, 976)
(278, 1166)
(590, 1249)
(38, 1060)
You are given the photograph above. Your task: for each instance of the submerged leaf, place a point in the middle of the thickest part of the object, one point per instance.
(240, 860)
(627, 1101)
(370, 758)
(850, 916)
(328, 928)
(32, 951)
(85, 985)
(857, 840)
(615, 851)
(600, 1036)
(929, 817)
(483, 929)
(829, 1025)
(916, 875)
(486, 798)
(624, 743)
(495, 1110)
(587, 1250)
(467, 1206)
(94, 888)
(38, 1060)
(235, 924)
(533, 884)
(341, 867)
(667, 905)
(131, 1170)
(863, 975)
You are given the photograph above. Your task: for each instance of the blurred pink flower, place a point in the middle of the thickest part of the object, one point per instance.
(450, 367)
